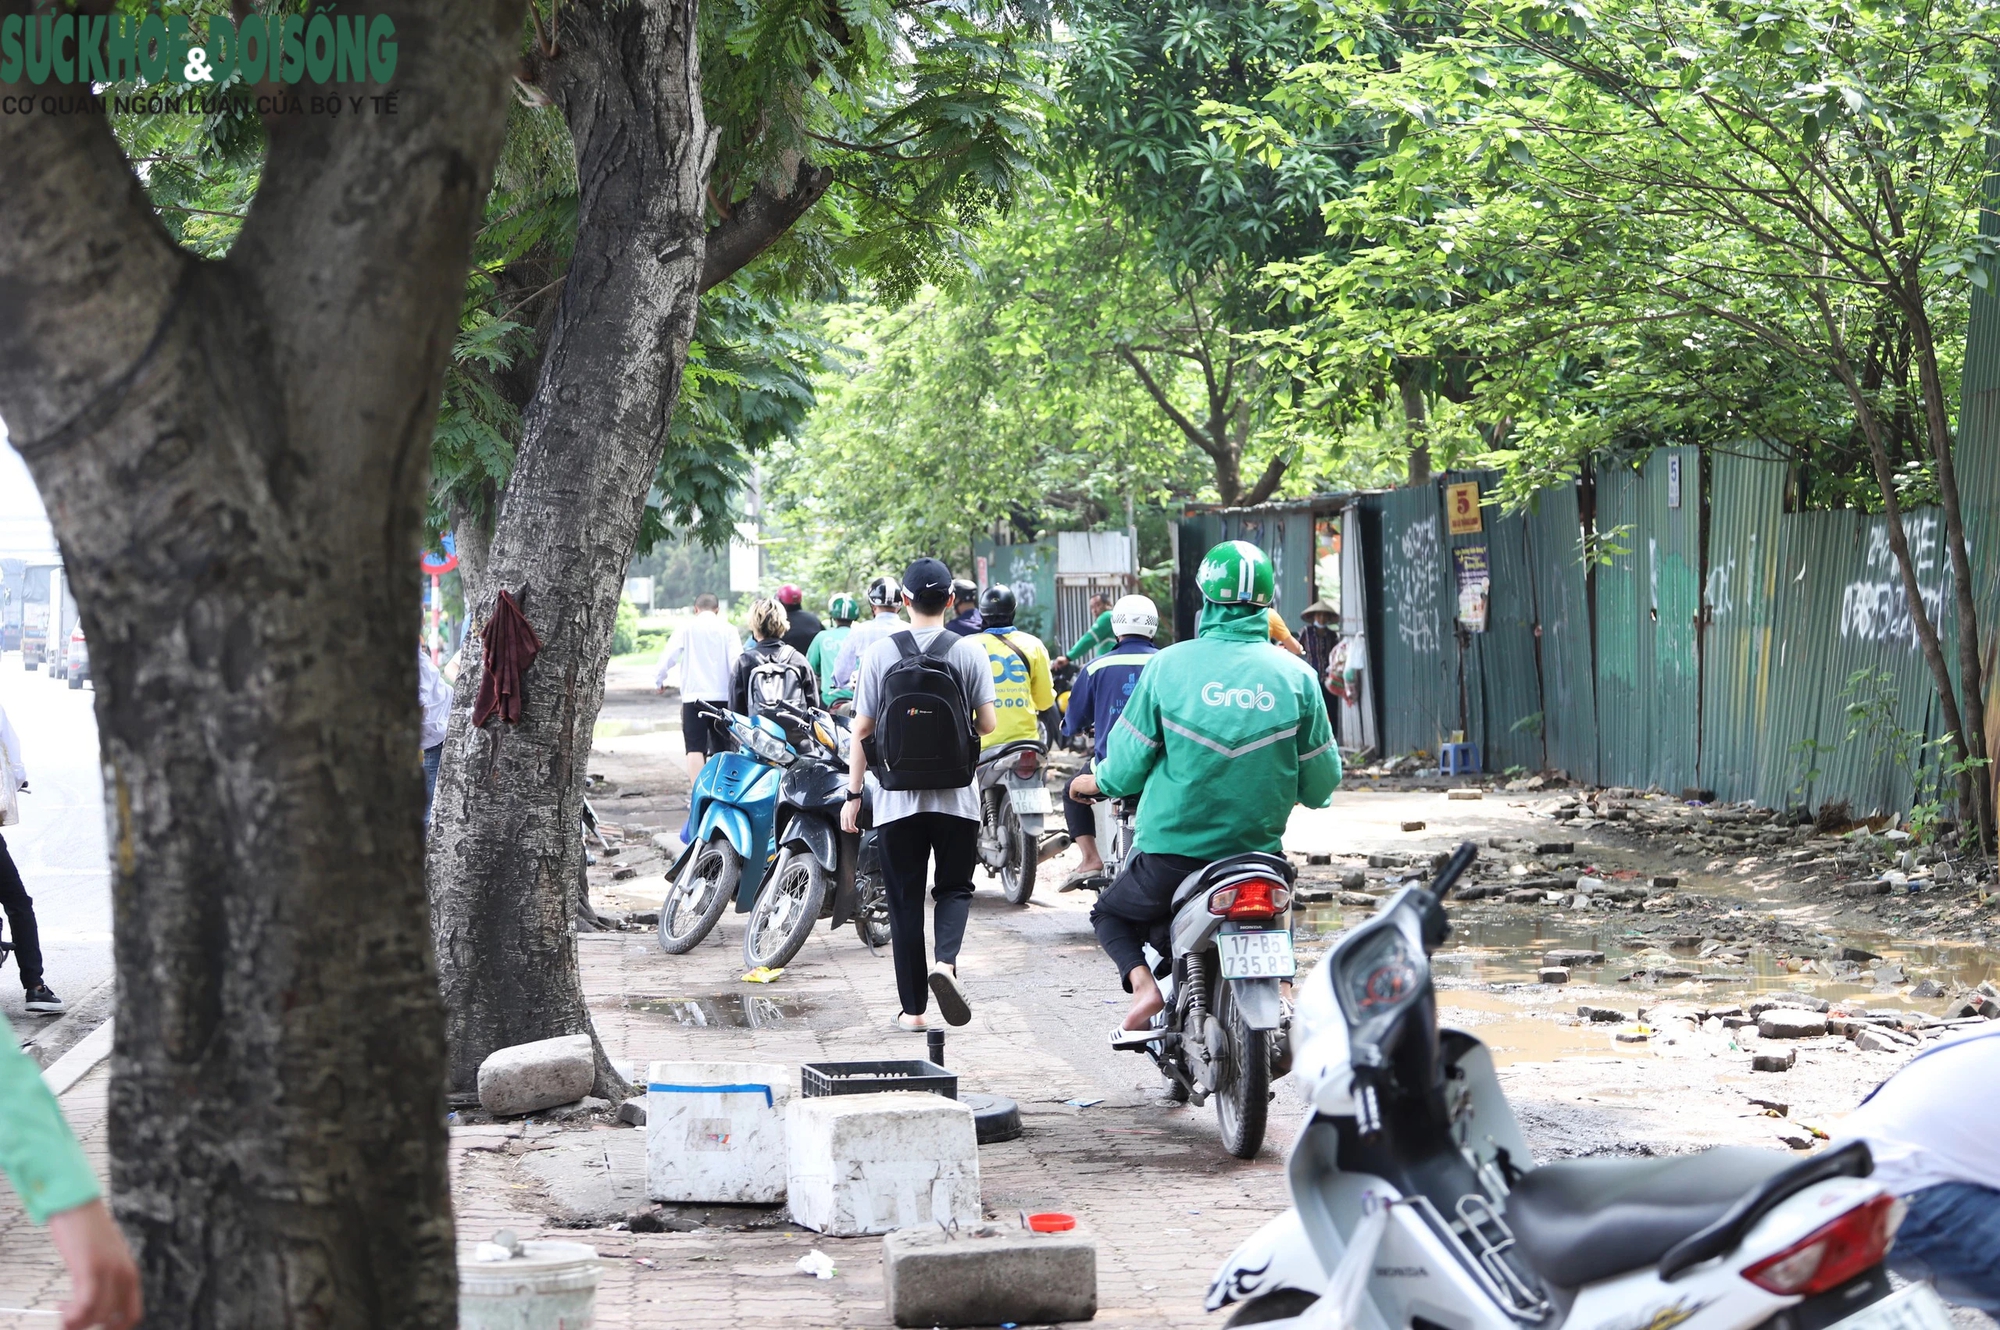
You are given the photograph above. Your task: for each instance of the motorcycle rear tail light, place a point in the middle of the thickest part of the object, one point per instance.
(1830, 1256)
(1028, 763)
(1252, 898)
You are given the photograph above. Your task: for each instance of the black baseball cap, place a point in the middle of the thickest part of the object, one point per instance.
(927, 577)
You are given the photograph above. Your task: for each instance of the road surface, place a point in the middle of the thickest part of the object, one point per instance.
(59, 844)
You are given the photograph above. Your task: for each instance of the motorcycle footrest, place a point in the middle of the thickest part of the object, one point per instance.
(1136, 1041)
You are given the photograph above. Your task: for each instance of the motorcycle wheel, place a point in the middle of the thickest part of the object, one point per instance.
(871, 918)
(686, 917)
(1280, 1304)
(1017, 870)
(785, 912)
(1243, 1091)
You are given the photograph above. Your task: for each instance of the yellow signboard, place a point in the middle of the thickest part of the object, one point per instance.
(1461, 506)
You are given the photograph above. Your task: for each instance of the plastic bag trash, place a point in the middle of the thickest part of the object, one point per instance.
(817, 1264)
(763, 974)
(491, 1251)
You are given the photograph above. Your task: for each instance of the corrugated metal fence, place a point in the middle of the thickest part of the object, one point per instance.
(1702, 638)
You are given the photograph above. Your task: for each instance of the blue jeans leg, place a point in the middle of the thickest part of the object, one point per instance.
(432, 756)
(1950, 1237)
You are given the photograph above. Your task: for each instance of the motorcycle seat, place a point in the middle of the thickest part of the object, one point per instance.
(1583, 1220)
(1008, 749)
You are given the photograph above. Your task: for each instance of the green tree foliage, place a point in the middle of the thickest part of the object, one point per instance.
(1768, 209)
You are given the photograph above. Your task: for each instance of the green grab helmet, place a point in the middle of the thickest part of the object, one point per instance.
(1237, 573)
(844, 607)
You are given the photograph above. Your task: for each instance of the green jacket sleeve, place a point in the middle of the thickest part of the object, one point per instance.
(1099, 635)
(37, 1149)
(1319, 755)
(1135, 743)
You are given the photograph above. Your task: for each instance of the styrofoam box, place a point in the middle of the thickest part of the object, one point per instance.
(715, 1131)
(872, 1163)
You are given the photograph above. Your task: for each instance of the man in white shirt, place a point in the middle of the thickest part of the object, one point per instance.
(886, 595)
(434, 699)
(14, 898)
(705, 647)
(1927, 1129)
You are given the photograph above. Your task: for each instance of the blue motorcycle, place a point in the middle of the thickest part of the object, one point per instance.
(732, 813)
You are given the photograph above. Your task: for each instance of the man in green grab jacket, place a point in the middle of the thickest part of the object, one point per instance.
(1224, 734)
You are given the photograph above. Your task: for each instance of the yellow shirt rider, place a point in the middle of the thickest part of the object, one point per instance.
(1022, 688)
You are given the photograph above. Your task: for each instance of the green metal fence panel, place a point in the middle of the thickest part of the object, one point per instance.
(1977, 458)
(1503, 691)
(1648, 669)
(1416, 649)
(1031, 571)
(1553, 528)
(1739, 759)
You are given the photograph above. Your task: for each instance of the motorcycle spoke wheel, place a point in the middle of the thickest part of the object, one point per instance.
(871, 920)
(695, 901)
(785, 912)
(1243, 1090)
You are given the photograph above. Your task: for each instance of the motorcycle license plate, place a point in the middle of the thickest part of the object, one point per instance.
(1915, 1308)
(1257, 955)
(1029, 799)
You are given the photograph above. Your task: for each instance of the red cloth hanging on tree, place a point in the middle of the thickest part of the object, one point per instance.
(509, 647)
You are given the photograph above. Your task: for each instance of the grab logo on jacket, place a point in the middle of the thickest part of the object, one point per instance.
(1259, 698)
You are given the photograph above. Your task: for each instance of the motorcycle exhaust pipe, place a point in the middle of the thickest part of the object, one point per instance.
(1052, 845)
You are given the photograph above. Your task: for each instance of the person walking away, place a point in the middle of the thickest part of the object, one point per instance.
(886, 595)
(1095, 702)
(1933, 1148)
(965, 620)
(14, 898)
(825, 648)
(434, 702)
(923, 696)
(705, 648)
(1098, 635)
(45, 1163)
(1224, 734)
(769, 670)
(801, 624)
(1318, 640)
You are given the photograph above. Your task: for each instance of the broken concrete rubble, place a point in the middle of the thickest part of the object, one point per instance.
(527, 1078)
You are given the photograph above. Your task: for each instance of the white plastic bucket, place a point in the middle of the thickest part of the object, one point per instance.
(549, 1286)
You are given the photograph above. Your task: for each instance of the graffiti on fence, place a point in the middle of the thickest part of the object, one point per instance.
(1417, 574)
(1875, 607)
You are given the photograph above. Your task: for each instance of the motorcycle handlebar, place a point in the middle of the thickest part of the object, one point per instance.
(1447, 878)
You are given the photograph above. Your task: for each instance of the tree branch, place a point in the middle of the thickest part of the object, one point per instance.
(1267, 484)
(1158, 394)
(757, 222)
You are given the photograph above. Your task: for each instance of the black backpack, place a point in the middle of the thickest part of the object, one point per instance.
(923, 737)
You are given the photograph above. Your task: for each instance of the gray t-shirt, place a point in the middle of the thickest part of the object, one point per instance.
(975, 672)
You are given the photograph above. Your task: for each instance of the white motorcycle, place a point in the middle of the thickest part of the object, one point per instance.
(1418, 1206)
(1013, 805)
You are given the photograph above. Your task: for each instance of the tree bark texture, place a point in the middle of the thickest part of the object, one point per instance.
(234, 457)
(506, 843)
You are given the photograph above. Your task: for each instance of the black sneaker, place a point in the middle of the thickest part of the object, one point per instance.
(44, 1003)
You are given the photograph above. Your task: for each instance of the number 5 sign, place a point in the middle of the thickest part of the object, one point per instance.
(1461, 505)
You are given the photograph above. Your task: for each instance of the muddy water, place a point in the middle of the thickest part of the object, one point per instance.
(724, 1011)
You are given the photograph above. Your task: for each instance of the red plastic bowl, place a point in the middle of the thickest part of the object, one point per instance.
(1051, 1223)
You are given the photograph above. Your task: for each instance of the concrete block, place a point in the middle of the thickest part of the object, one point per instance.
(872, 1163)
(1791, 1023)
(1554, 974)
(633, 1111)
(1774, 1061)
(715, 1131)
(990, 1275)
(530, 1077)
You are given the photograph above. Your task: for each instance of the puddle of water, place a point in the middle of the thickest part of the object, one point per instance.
(741, 1011)
(1508, 948)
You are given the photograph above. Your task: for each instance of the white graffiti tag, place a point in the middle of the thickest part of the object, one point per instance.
(1876, 607)
(1417, 574)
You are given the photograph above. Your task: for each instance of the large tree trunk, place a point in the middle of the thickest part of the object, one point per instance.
(506, 844)
(234, 457)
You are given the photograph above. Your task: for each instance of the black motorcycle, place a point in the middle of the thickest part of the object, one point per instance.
(821, 872)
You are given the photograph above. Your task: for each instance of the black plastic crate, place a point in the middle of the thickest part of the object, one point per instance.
(821, 1079)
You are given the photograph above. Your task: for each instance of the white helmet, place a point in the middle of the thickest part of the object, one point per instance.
(1135, 616)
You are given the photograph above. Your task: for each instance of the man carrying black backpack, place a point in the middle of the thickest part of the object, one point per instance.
(922, 698)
